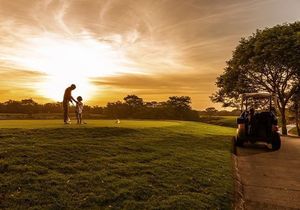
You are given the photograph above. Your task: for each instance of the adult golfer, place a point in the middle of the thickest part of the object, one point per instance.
(68, 98)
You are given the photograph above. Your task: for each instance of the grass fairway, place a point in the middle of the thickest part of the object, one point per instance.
(102, 165)
(228, 121)
(294, 131)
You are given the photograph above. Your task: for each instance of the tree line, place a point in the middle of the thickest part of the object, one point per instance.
(132, 107)
(29, 106)
(212, 111)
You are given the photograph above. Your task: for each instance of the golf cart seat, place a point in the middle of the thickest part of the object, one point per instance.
(261, 125)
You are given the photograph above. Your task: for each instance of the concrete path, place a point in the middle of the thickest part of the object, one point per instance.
(270, 180)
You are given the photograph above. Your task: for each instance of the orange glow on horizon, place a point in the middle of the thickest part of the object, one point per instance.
(110, 49)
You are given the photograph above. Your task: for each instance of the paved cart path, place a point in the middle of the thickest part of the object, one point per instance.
(270, 180)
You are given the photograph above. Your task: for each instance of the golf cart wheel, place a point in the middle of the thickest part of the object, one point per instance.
(276, 142)
(239, 142)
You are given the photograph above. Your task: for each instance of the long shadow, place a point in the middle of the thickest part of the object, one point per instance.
(60, 133)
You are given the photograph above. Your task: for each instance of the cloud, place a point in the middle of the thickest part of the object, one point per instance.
(19, 84)
(158, 84)
(174, 46)
(20, 78)
(156, 87)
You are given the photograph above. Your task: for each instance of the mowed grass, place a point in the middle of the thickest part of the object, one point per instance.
(228, 121)
(34, 124)
(294, 131)
(103, 165)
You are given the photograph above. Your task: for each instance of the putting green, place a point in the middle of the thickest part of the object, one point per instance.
(32, 124)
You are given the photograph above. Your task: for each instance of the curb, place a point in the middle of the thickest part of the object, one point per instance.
(239, 198)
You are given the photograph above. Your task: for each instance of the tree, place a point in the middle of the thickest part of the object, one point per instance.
(133, 101)
(269, 60)
(177, 107)
(12, 106)
(117, 110)
(295, 108)
(211, 111)
(52, 107)
(28, 102)
(134, 105)
(180, 102)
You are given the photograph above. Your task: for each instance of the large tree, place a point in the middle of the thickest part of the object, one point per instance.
(134, 101)
(269, 60)
(295, 108)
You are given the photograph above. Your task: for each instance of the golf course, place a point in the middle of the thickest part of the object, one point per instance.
(105, 165)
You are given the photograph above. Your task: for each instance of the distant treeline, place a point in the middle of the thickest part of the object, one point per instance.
(176, 108)
(212, 111)
(29, 106)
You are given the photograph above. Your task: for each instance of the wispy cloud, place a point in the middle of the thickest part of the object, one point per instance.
(163, 83)
(154, 48)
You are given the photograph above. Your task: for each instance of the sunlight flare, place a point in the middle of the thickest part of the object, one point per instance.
(66, 61)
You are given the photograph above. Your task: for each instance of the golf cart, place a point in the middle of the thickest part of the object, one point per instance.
(258, 121)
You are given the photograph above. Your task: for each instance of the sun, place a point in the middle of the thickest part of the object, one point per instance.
(54, 85)
(66, 61)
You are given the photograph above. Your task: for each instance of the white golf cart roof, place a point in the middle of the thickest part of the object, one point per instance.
(257, 95)
(260, 100)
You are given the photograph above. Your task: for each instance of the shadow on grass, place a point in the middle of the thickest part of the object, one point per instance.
(114, 168)
(67, 133)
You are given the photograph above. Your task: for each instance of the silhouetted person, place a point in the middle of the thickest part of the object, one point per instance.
(251, 123)
(79, 110)
(68, 98)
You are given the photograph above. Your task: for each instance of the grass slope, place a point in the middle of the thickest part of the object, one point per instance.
(228, 121)
(294, 131)
(134, 165)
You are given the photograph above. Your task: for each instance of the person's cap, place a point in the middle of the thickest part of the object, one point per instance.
(79, 98)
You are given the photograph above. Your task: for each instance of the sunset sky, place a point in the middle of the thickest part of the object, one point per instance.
(112, 48)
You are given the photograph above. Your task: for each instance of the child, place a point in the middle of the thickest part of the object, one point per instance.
(78, 110)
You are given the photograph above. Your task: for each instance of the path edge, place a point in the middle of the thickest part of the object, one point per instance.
(239, 198)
